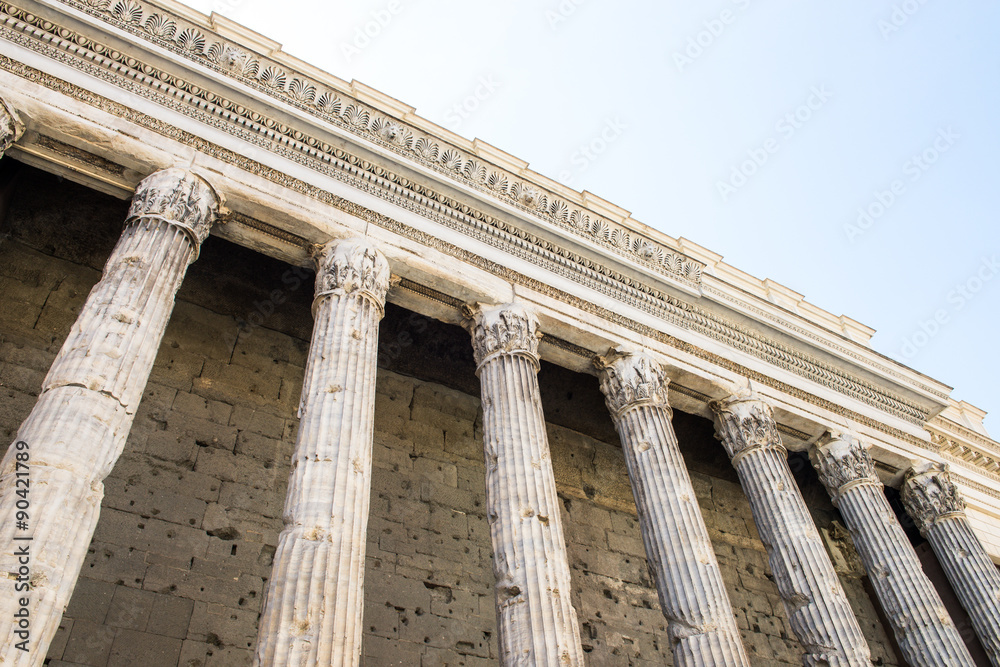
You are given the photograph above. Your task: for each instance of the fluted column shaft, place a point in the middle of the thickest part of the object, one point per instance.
(924, 631)
(700, 621)
(315, 599)
(77, 429)
(817, 607)
(935, 503)
(535, 616)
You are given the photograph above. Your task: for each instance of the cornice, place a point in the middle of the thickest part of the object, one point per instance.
(954, 429)
(967, 455)
(786, 321)
(129, 73)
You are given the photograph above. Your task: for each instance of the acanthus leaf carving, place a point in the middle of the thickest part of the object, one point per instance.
(929, 494)
(630, 378)
(352, 266)
(744, 422)
(180, 198)
(505, 329)
(842, 461)
(11, 127)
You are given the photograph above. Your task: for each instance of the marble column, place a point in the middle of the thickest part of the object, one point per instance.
(535, 617)
(700, 621)
(817, 607)
(924, 631)
(11, 127)
(77, 429)
(934, 502)
(315, 599)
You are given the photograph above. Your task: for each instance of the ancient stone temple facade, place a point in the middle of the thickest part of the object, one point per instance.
(292, 376)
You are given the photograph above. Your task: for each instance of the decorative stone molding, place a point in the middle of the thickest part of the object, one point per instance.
(146, 80)
(761, 314)
(631, 378)
(967, 449)
(919, 620)
(930, 496)
(352, 267)
(506, 329)
(818, 610)
(11, 127)
(180, 198)
(700, 622)
(315, 601)
(842, 462)
(78, 427)
(743, 423)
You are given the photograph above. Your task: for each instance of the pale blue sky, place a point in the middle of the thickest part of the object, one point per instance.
(673, 97)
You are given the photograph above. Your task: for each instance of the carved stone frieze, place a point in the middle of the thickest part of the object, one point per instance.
(929, 494)
(743, 422)
(11, 127)
(179, 198)
(506, 329)
(842, 461)
(784, 322)
(631, 378)
(352, 266)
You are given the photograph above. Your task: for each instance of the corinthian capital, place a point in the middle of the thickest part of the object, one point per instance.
(180, 198)
(631, 378)
(11, 127)
(506, 329)
(743, 422)
(842, 462)
(929, 494)
(352, 266)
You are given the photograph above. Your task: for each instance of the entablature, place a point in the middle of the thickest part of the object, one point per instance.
(304, 156)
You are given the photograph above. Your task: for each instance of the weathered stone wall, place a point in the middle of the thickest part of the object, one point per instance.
(178, 566)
